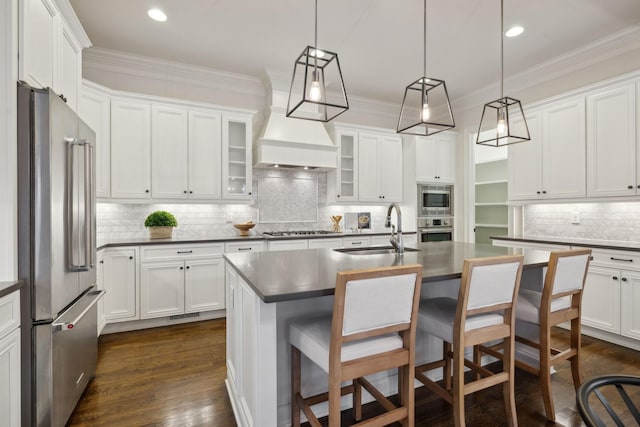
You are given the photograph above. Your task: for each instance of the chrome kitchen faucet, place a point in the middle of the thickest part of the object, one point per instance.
(396, 238)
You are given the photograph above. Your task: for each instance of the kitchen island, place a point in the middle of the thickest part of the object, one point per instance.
(267, 289)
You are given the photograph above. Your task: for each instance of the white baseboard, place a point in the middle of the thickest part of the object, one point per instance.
(134, 325)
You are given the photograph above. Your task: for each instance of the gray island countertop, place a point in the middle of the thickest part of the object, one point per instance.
(291, 275)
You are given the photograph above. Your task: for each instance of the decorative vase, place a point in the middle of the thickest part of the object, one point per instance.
(160, 232)
(336, 223)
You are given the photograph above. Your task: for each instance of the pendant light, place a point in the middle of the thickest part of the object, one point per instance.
(317, 89)
(503, 120)
(426, 109)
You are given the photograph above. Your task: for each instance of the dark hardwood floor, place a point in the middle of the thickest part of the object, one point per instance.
(174, 376)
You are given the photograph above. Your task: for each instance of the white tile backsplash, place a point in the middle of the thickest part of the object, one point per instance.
(598, 221)
(116, 221)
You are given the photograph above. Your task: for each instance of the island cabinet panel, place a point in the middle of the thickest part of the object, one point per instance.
(611, 142)
(630, 302)
(10, 359)
(251, 354)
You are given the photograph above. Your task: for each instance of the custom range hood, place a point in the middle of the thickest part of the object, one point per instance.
(292, 143)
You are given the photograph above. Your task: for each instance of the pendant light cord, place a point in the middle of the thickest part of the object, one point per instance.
(501, 48)
(315, 42)
(424, 64)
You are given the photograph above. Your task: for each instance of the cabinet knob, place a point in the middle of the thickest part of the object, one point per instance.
(638, 186)
(181, 268)
(383, 197)
(249, 193)
(629, 187)
(338, 195)
(188, 267)
(544, 191)
(624, 279)
(190, 191)
(131, 257)
(146, 191)
(537, 192)
(615, 277)
(185, 191)
(102, 261)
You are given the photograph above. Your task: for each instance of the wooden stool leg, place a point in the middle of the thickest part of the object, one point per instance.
(446, 369)
(545, 373)
(334, 400)
(476, 359)
(508, 388)
(458, 387)
(357, 400)
(295, 386)
(576, 339)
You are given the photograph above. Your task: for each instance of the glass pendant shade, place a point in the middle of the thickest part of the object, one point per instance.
(426, 109)
(502, 123)
(317, 89)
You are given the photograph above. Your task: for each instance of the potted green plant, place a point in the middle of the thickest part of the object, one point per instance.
(160, 224)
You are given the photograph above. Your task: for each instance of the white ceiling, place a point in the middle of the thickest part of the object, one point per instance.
(379, 42)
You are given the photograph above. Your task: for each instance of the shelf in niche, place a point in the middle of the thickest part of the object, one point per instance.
(492, 182)
(237, 147)
(237, 178)
(492, 225)
(346, 157)
(347, 182)
(237, 162)
(492, 204)
(346, 170)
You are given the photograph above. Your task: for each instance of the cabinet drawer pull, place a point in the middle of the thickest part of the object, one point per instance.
(630, 187)
(356, 243)
(624, 279)
(621, 259)
(615, 277)
(185, 252)
(244, 249)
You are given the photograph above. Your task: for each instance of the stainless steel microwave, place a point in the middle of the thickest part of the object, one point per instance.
(435, 200)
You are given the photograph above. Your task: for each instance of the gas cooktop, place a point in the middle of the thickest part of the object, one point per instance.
(298, 233)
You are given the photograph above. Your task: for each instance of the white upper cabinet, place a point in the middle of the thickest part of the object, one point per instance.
(436, 158)
(236, 156)
(38, 42)
(50, 51)
(611, 142)
(564, 150)
(525, 163)
(347, 171)
(169, 154)
(369, 166)
(95, 109)
(205, 146)
(130, 149)
(379, 168)
(553, 164)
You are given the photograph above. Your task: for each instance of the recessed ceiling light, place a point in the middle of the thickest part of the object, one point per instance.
(514, 31)
(157, 15)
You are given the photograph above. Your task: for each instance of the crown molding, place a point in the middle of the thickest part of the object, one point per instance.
(601, 50)
(101, 59)
(70, 16)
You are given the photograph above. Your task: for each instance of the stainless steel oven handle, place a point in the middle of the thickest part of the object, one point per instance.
(436, 230)
(68, 326)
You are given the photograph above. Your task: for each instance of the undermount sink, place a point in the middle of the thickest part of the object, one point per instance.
(373, 250)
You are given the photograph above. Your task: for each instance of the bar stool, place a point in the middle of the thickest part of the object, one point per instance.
(483, 312)
(372, 329)
(560, 301)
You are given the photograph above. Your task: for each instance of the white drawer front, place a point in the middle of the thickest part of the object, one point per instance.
(616, 259)
(9, 313)
(163, 252)
(244, 247)
(356, 242)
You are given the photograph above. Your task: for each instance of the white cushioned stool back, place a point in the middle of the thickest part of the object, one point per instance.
(492, 284)
(378, 302)
(570, 273)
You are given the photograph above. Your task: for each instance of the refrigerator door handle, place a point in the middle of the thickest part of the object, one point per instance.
(73, 216)
(89, 200)
(65, 324)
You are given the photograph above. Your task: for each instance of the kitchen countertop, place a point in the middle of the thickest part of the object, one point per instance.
(292, 275)
(591, 243)
(8, 287)
(212, 238)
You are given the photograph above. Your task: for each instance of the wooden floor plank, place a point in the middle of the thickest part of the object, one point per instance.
(174, 376)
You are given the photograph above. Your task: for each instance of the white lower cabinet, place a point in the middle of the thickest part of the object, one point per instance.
(10, 359)
(601, 299)
(102, 318)
(120, 281)
(249, 246)
(630, 301)
(181, 279)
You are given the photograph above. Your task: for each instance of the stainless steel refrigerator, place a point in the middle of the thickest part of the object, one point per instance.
(57, 252)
